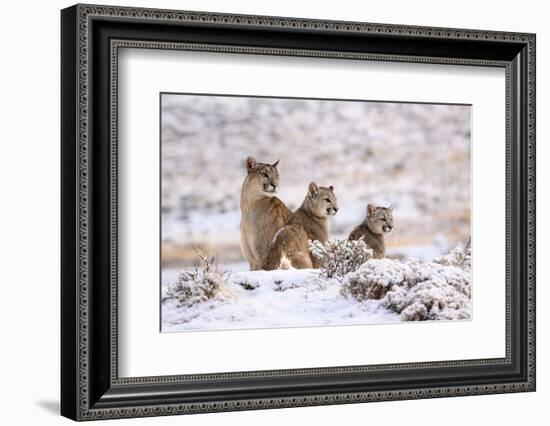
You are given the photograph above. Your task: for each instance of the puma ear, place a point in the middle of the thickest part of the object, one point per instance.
(331, 188)
(371, 209)
(250, 164)
(275, 164)
(313, 189)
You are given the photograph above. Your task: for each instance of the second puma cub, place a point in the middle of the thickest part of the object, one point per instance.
(377, 223)
(309, 222)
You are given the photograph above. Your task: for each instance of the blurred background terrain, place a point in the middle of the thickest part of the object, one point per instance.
(413, 156)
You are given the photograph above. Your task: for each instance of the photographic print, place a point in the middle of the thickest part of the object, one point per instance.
(295, 212)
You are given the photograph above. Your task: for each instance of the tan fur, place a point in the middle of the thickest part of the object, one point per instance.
(377, 223)
(262, 213)
(309, 222)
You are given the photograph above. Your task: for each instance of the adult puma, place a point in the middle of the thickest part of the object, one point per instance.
(309, 222)
(262, 213)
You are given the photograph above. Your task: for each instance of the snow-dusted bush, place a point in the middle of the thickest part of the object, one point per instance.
(248, 284)
(416, 290)
(373, 279)
(284, 285)
(204, 282)
(459, 256)
(433, 292)
(340, 257)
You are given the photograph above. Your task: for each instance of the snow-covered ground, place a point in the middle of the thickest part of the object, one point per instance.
(290, 298)
(375, 291)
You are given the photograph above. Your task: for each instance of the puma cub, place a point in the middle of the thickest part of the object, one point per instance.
(377, 223)
(262, 213)
(309, 222)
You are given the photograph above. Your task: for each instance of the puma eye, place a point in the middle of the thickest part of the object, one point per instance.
(265, 175)
(327, 200)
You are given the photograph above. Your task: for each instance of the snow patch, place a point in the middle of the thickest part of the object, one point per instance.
(270, 299)
(379, 291)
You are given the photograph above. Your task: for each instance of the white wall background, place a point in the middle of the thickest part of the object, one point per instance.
(29, 212)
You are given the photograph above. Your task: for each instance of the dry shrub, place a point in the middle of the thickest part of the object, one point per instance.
(340, 257)
(203, 283)
(373, 279)
(459, 256)
(248, 284)
(431, 297)
(435, 290)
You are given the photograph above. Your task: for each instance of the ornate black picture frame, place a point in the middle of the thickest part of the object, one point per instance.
(91, 36)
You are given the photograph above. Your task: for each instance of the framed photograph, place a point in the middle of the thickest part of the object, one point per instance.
(263, 212)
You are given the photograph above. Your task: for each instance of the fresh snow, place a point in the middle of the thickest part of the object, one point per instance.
(377, 291)
(283, 298)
